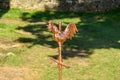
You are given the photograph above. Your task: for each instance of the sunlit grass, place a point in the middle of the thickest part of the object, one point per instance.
(7, 30)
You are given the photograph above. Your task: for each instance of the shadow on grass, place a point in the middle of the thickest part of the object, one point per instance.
(96, 31)
(46, 16)
(4, 7)
(3, 11)
(41, 35)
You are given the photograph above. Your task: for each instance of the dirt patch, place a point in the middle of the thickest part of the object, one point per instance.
(9, 46)
(10, 21)
(16, 73)
(6, 44)
(23, 32)
(21, 22)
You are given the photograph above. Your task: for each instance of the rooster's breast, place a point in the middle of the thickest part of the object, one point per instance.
(60, 37)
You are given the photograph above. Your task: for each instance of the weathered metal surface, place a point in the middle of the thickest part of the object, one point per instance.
(60, 37)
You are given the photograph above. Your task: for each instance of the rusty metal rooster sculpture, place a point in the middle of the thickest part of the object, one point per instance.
(60, 37)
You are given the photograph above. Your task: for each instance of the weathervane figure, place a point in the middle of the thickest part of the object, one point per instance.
(60, 37)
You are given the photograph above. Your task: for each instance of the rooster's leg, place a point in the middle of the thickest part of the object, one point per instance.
(60, 61)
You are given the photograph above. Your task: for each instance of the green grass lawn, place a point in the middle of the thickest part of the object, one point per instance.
(93, 54)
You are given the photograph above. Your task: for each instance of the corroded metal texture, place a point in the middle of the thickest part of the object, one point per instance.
(60, 37)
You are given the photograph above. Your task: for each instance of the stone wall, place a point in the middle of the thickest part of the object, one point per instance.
(66, 5)
(34, 4)
(5, 4)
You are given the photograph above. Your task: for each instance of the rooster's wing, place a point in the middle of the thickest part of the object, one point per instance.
(70, 30)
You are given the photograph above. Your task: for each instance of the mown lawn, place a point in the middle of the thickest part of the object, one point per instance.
(93, 54)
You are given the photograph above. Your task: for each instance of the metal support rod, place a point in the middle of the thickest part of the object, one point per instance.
(64, 65)
(60, 61)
